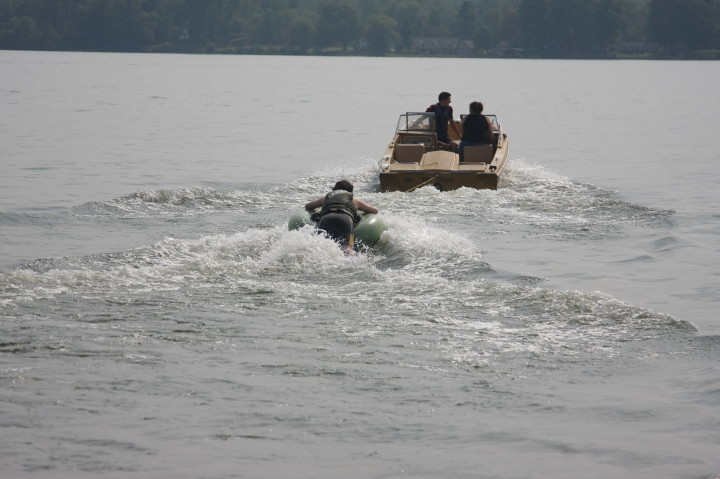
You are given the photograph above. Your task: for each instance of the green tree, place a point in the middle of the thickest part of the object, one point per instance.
(302, 32)
(208, 22)
(412, 21)
(110, 25)
(610, 21)
(339, 24)
(20, 33)
(442, 19)
(381, 34)
(467, 20)
(541, 27)
(685, 24)
(571, 25)
(488, 31)
(130, 28)
(532, 24)
(270, 31)
(634, 21)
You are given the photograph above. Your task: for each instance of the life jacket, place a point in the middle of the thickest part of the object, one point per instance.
(340, 201)
(442, 116)
(475, 129)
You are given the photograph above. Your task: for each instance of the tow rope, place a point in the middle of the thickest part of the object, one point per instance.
(431, 180)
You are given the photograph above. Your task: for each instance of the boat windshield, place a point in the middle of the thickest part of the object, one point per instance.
(421, 122)
(495, 122)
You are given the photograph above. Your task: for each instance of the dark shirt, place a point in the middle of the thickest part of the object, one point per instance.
(476, 129)
(442, 116)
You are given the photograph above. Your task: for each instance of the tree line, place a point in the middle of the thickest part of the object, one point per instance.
(532, 28)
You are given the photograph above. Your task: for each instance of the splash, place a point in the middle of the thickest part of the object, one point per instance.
(426, 279)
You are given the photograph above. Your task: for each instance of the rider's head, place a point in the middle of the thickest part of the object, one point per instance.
(344, 185)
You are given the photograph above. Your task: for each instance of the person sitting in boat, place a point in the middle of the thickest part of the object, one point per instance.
(477, 128)
(444, 116)
(339, 213)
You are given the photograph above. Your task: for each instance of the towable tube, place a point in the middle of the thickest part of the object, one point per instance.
(367, 232)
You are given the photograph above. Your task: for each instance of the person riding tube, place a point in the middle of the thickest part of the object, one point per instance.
(339, 214)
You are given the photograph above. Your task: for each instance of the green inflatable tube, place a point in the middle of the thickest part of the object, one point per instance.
(367, 232)
(299, 219)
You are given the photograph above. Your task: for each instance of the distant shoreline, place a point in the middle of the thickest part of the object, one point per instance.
(705, 55)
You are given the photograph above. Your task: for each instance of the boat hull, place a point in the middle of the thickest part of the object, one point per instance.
(443, 181)
(414, 159)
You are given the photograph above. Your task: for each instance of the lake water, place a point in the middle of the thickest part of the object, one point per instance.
(157, 319)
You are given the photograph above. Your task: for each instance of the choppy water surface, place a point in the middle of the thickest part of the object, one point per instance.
(181, 330)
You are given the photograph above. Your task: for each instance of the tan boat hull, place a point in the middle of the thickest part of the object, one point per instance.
(400, 171)
(443, 181)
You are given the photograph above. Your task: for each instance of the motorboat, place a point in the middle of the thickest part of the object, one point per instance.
(414, 158)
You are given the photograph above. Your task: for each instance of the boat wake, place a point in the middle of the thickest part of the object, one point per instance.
(422, 283)
(426, 284)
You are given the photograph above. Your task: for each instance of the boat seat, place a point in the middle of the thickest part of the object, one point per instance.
(478, 154)
(405, 153)
(439, 161)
